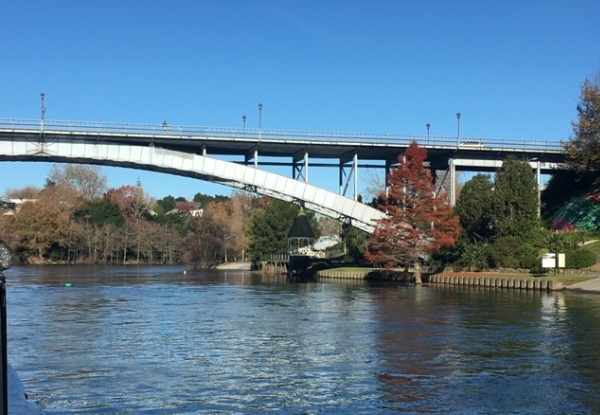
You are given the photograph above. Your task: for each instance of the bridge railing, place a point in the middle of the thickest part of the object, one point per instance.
(185, 131)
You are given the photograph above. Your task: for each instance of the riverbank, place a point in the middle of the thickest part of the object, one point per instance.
(591, 285)
(584, 283)
(589, 281)
(235, 266)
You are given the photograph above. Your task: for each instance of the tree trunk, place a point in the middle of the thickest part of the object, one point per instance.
(417, 272)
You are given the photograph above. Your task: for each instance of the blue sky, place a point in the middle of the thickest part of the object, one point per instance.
(512, 68)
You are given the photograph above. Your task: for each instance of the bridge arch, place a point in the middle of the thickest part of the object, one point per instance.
(197, 166)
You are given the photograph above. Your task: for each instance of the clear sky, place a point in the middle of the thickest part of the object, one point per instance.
(512, 68)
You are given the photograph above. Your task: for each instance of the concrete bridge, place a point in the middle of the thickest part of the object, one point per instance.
(233, 157)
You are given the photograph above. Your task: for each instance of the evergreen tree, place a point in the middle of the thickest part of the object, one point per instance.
(356, 242)
(268, 228)
(474, 207)
(167, 203)
(518, 234)
(100, 212)
(515, 211)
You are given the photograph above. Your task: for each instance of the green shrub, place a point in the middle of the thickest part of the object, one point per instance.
(475, 257)
(527, 255)
(504, 252)
(537, 269)
(580, 258)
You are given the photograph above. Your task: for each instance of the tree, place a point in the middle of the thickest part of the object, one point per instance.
(515, 211)
(329, 226)
(28, 192)
(100, 212)
(418, 223)
(218, 235)
(206, 199)
(44, 225)
(268, 228)
(133, 205)
(474, 207)
(167, 203)
(356, 242)
(208, 236)
(583, 149)
(85, 179)
(501, 226)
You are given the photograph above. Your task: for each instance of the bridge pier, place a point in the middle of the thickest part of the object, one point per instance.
(452, 169)
(300, 166)
(351, 175)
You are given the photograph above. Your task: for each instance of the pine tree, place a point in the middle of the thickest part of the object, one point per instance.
(418, 223)
(474, 207)
(515, 211)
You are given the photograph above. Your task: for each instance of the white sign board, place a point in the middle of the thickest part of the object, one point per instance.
(561, 260)
(549, 260)
(552, 260)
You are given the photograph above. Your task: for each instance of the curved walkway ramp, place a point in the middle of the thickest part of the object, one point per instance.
(201, 167)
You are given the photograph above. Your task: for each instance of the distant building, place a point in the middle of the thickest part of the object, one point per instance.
(187, 208)
(12, 206)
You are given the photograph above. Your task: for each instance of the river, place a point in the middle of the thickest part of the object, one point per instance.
(158, 340)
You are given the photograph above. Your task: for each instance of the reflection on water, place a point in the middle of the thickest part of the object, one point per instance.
(158, 340)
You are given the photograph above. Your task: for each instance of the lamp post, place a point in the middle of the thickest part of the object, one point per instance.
(260, 107)
(457, 128)
(428, 126)
(5, 263)
(244, 121)
(43, 116)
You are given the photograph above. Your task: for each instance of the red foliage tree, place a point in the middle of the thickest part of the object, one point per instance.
(418, 223)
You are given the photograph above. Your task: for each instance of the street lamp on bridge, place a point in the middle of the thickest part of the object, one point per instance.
(457, 128)
(428, 126)
(260, 107)
(43, 96)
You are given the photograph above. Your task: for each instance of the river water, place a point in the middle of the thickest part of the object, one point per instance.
(156, 340)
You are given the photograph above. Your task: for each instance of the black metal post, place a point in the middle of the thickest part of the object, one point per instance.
(3, 345)
(457, 129)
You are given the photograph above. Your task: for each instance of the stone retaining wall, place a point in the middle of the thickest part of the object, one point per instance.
(540, 284)
(537, 284)
(343, 275)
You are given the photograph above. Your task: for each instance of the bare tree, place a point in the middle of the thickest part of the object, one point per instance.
(28, 192)
(85, 179)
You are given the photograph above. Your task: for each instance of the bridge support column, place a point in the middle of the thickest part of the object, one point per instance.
(440, 183)
(538, 176)
(352, 174)
(300, 166)
(452, 169)
(251, 155)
